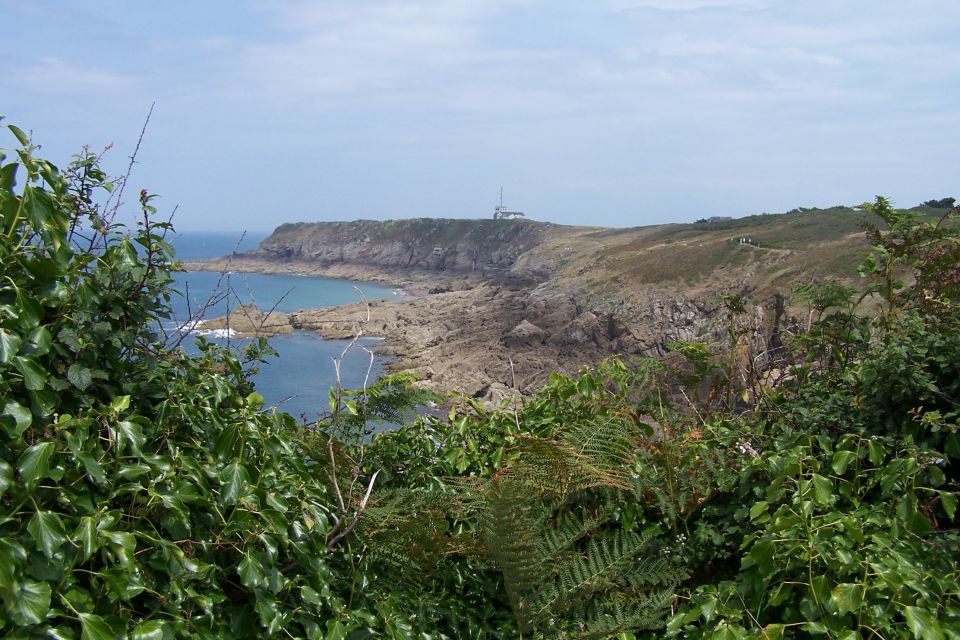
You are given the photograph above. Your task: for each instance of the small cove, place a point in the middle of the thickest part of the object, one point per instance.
(299, 379)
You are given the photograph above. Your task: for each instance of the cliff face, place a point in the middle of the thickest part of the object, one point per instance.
(443, 245)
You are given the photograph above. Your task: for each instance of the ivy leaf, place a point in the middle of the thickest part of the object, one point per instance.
(9, 345)
(44, 402)
(21, 415)
(762, 555)
(79, 376)
(38, 342)
(846, 597)
(120, 404)
(34, 377)
(923, 624)
(129, 433)
(86, 536)
(35, 463)
(876, 452)
(152, 630)
(842, 460)
(123, 545)
(38, 206)
(758, 509)
(310, 595)
(95, 628)
(947, 499)
(30, 602)
(772, 632)
(6, 477)
(250, 571)
(235, 479)
(817, 628)
(47, 531)
(336, 630)
(822, 489)
(92, 466)
(228, 442)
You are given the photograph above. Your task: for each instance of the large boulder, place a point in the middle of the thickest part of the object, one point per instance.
(524, 334)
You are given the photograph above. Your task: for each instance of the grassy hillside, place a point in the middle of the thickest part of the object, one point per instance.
(784, 250)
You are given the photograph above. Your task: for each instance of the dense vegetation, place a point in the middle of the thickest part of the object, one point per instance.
(144, 493)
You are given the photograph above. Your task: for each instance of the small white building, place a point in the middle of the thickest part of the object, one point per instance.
(501, 213)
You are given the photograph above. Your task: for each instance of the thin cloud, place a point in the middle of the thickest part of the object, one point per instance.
(54, 75)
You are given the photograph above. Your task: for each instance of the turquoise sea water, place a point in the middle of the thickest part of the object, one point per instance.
(299, 379)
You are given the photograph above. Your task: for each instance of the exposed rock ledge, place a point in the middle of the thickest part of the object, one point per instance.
(487, 339)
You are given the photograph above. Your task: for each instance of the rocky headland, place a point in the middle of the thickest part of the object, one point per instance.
(497, 305)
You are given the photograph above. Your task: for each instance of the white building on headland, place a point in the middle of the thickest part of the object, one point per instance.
(501, 213)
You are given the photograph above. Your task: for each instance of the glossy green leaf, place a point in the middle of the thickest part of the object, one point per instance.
(46, 528)
(120, 404)
(762, 555)
(43, 402)
(21, 415)
(92, 466)
(235, 480)
(29, 311)
(152, 630)
(842, 460)
(94, 627)
(86, 536)
(846, 597)
(130, 436)
(949, 502)
(876, 452)
(34, 464)
(250, 571)
(37, 343)
(18, 133)
(123, 544)
(923, 624)
(6, 477)
(816, 628)
(34, 377)
(29, 602)
(38, 207)
(229, 442)
(822, 489)
(9, 345)
(336, 630)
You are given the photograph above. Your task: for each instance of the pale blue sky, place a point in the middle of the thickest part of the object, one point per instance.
(611, 112)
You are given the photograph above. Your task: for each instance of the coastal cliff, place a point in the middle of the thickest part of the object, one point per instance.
(441, 245)
(500, 304)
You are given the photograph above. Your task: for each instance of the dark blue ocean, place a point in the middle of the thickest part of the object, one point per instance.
(299, 379)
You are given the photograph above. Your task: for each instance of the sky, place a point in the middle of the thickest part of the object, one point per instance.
(598, 112)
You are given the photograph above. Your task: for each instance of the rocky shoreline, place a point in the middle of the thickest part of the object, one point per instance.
(466, 333)
(460, 333)
(496, 306)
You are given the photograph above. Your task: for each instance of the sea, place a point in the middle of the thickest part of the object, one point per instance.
(299, 379)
